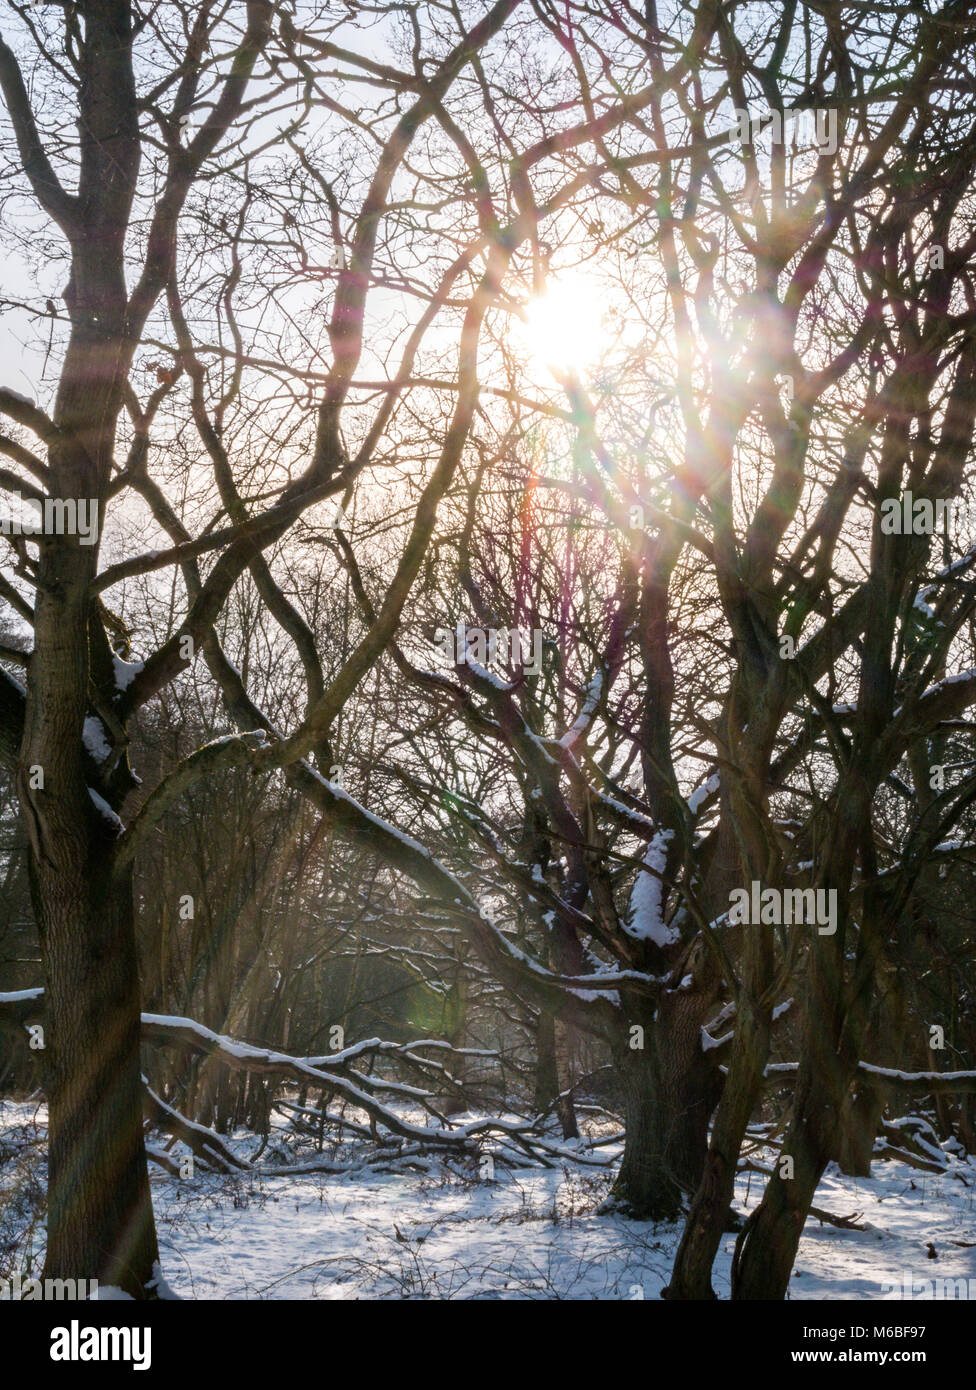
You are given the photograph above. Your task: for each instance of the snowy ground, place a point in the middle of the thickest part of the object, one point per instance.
(531, 1234)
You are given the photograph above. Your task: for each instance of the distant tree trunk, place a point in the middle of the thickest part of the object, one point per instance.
(227, 1093)
(553, 1073)
(944, 1109)
(554, 1076)
(456, 1008)
(865, 1103)
(565, 1108)
(546, 1072)
(860, 1116)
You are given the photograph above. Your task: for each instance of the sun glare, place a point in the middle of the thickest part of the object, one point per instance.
(564, 327)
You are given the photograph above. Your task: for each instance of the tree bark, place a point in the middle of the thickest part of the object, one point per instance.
(100, 1218)
(546, 1074)
(859, 1120)
(670, 1090)
(708, 1217)
(769, 1241)
(645, 1187)
(565, 1108)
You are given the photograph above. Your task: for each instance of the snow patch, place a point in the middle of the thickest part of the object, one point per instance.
(94, 738)
(125, 671)
(646, 898)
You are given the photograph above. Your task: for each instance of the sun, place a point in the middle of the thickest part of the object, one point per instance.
(564, 328)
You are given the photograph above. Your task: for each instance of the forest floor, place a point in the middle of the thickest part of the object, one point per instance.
(531, 1233)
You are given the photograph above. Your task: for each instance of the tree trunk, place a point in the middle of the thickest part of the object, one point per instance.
(100, 1220)
(740, 845)
(834, 1022)
(100, 1217)
(860, 1116)
(456, 1100)
(669, 1091)
(769, 1241)
(708, 1218)
(565, 1108)
(546, 1074)
(645, 1187)
(865, 1104)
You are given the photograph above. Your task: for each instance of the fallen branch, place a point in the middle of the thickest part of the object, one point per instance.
(843, 1223)
(332, 1072)
(882, 1149)
(202, 1142)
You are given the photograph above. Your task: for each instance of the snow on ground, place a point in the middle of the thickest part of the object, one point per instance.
(533, 1233)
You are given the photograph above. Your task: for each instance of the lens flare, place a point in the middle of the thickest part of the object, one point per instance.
(564, 328)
